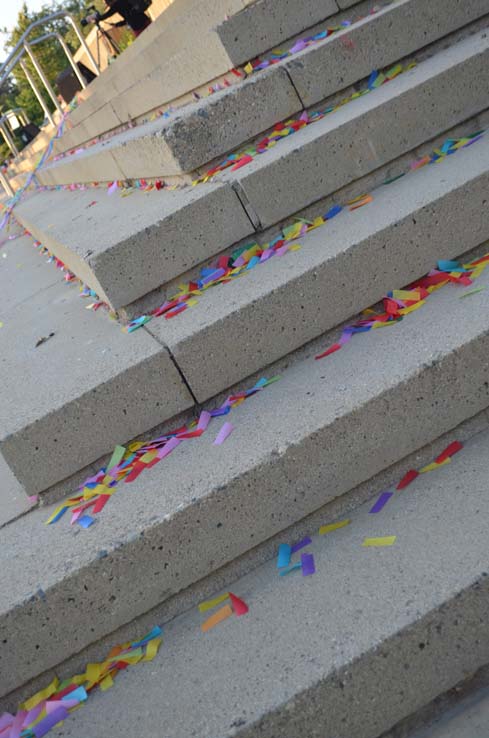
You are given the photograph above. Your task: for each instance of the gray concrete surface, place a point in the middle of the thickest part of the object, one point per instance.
(207, 505)
(142, 241)
(368, 133)
(470, 719)
(373, 636)
(190, 138)
(343, 267)
(268, 23)
(86, 388)
(375, 42)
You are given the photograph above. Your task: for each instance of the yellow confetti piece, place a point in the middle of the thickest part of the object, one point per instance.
(357, 199)
(411, 308)
(210, 604)
(152, 649)
(295, 247)
(1, 324)
(405, 295)
(248, 68)
(192, 303)
(379, 542)
(44, 694)
(434, 466)
(333, 526)
(106, 683)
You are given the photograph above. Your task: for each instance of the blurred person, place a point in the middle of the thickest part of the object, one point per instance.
(132, 11)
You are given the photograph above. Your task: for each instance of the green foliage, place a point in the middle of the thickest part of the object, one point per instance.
(49, 53)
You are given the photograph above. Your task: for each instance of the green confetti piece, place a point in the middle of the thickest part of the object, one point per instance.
(472, 292)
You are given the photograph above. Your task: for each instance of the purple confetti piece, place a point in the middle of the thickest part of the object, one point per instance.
(169, 447)
(382, 501)
(113, 188)
(224, 433)
(16, 728)
(301, 544)
(308, 567)
(50, 721)
(32, 715)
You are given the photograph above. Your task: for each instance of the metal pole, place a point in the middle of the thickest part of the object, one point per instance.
(6, 185)
(43, 77)
(82, 41)
(37, 93)
(8, 138)
(71, 60)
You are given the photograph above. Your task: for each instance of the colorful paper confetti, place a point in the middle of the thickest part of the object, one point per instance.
(379, 542)
(46, 709)
(324, 529)
(127, 464)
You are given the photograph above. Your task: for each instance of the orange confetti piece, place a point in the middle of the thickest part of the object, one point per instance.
(216, 618)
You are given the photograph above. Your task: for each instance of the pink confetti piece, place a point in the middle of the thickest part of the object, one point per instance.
(204, 420)
(33, 499)
(168, 447)
(224, 433)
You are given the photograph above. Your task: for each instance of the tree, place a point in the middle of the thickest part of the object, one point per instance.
(49, 53)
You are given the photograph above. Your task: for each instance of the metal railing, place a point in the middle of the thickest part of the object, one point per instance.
(24, 47)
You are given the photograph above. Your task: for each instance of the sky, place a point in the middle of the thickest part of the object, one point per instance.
(8, 16)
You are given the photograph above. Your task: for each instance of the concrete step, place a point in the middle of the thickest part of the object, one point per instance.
(208, 129)
(305, 167)
(67, 401)
(205, 506)
(343, 267)
(469, 719)
(367, 133)
(373, 636)
(195, 50)
(141, 242)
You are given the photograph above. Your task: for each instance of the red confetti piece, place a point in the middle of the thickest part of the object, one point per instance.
(450, 451)
(409, 477)
(239, 606)
(331, 350)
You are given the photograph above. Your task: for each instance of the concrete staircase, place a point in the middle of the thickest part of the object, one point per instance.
(406, 623)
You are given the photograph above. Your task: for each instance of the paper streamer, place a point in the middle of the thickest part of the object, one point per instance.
(224, 433)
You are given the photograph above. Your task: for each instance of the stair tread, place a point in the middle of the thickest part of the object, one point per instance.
(256, 485)
(371, 621)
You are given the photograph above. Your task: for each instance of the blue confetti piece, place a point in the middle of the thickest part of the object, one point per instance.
(284, 554)
(450, 266)
(85, 521)
(333, 212)
(291, 568)
(253, 262)
(372, 79)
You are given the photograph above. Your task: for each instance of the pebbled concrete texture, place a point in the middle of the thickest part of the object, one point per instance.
(342, 268)
(373, 636)
(207, 505)
(266, 23)
(376, 42)
(468, 720)
(142, 241)
(369, 132)
(13, 499)
(84, 389)
(190, 138)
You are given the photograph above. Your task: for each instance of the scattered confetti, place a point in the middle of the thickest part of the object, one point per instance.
(41, 712)
(224, 433)
(399, 303)
(128, 463)
(471, 292)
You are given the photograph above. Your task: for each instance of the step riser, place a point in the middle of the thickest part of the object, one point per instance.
(360, 444)
(377, 42)
(387, 684)
(368, 133)
(77, 433)
(291, 312)
(190, 140)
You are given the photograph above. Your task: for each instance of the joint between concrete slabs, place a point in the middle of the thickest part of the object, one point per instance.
(294, 87)
(177, 367)
(247, 206)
